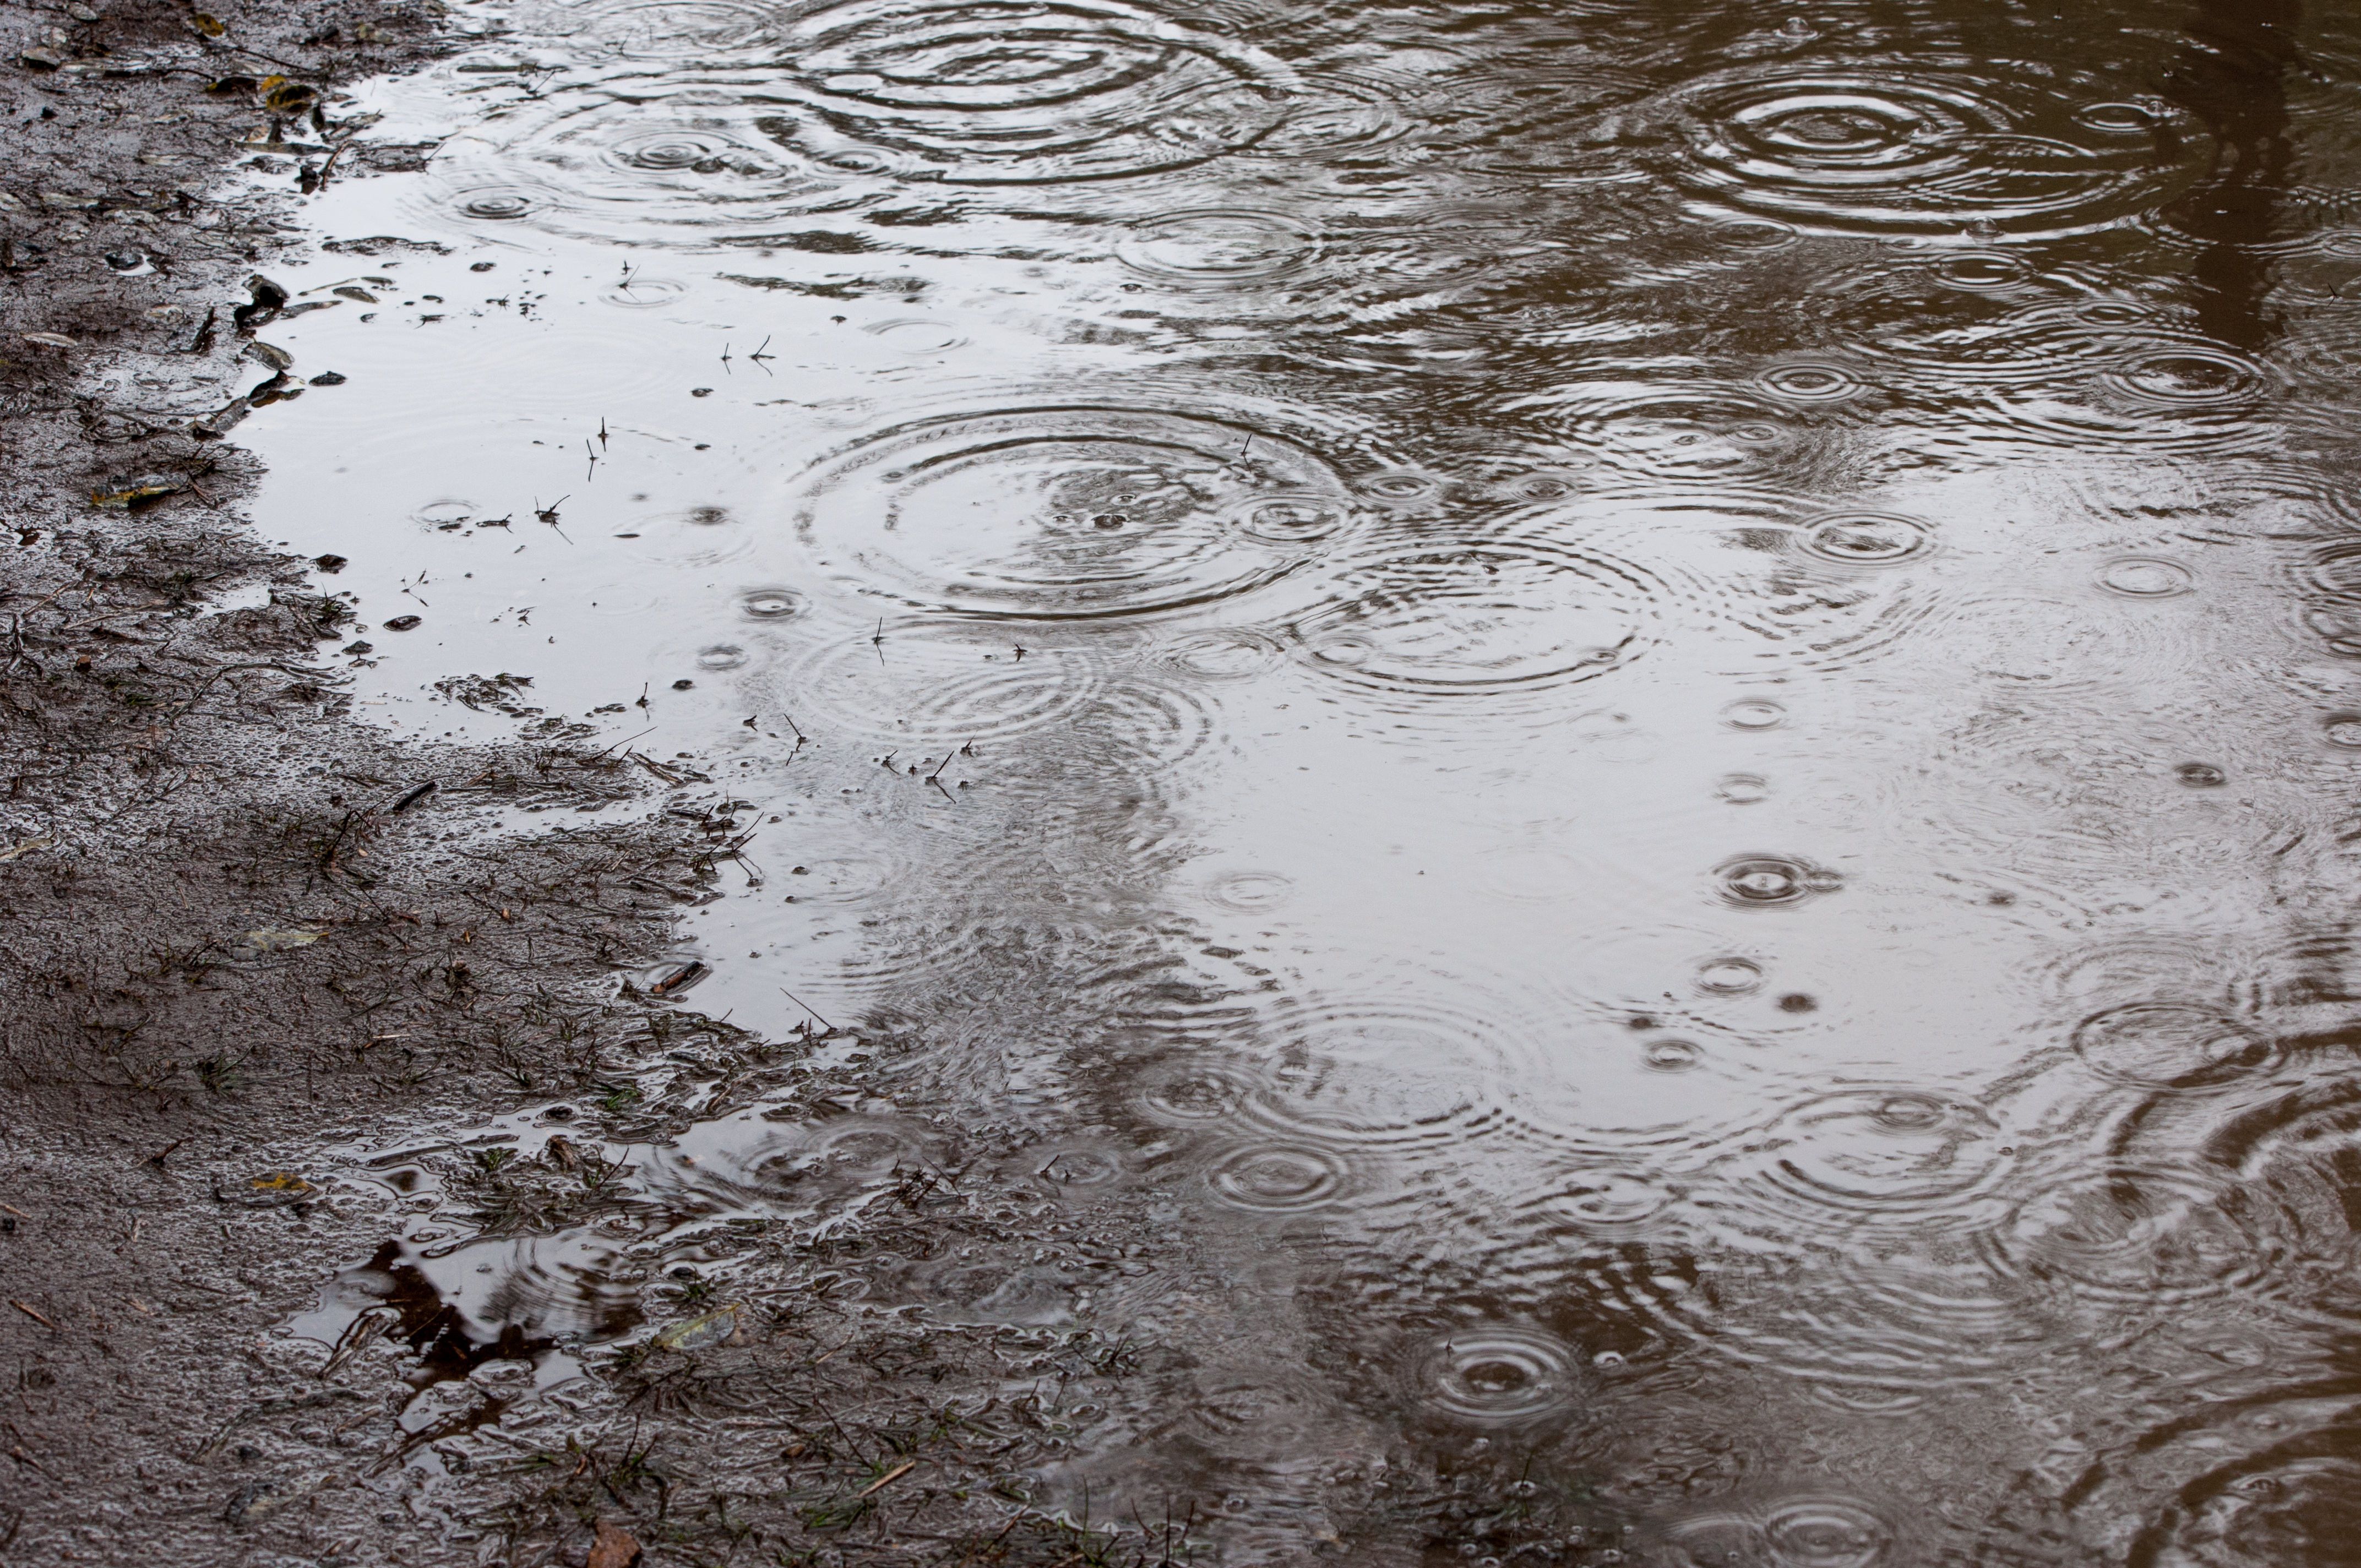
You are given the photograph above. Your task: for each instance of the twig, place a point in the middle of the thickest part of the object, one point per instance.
(806, 1007)
(893, 1475)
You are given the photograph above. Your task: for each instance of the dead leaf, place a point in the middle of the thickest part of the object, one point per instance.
(209, 26)
(289, 98)
(615, 1548)
(279, 940)
(712, 1328)
(53, 339)
(136, 498)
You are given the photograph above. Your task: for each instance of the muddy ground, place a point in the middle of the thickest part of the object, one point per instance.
(244, 928)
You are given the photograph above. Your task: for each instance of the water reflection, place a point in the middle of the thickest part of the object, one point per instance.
(2231, 74)
(1636, 703)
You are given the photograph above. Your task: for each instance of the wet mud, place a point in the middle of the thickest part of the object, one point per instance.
(1239, 783)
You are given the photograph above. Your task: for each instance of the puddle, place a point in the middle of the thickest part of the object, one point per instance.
(1651, 711)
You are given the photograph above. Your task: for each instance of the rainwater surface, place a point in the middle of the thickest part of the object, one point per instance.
(1659, 702)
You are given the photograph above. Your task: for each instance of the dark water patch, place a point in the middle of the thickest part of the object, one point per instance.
(1885, 148)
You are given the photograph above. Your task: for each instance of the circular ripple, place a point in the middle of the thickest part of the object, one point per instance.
(1983, 271)
(1249, 893)
(1810, 382)
(2298, 1503)
(1770, 882)
(1866, 539)
(1882, 1156)
(844, 879)
(1278, 1178)
(1007, 92)
(1729, 977)
(1074, 1166)
(1716, 1540)
(1638, 421)
(667, 158)
(1886, 152)
(1501, 1375)
(1064, 513)
(1672, 1055)
(1406, 489)
(1601, 1200)
(1826, 1533)
(1224, 655)
(1336, 115)
(2136, 1236)
(667, 29)
(1508, 618)
(645, 293)
(745, 1162)
(2146, 577)
(936, 684)
(2187, 377)
(771, 603)
(1219, 246)
(2104, 376)
(1291, 519)
(1193, 1095)
(496, 204)
(913, 334)
(2175, 1046)
(1373, 1070)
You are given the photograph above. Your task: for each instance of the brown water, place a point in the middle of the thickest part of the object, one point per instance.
(1657, 702)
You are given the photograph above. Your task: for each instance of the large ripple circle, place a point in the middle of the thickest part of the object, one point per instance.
(1885, 152)
(1497, 1375)
(1068, 513)
(675, 158)
(1005, 92)
(1484, 619)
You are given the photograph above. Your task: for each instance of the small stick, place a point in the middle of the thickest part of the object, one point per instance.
(893, 1475)
(806, 1007)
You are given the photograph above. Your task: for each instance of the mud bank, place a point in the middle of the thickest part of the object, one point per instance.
(252, 942)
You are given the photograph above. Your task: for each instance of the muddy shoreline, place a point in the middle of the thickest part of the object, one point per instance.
(249, 932)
